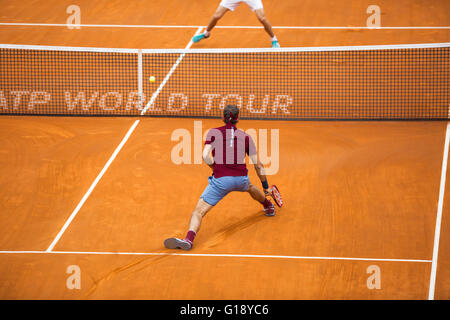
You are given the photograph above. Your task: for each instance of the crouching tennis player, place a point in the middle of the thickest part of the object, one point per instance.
(228, 146)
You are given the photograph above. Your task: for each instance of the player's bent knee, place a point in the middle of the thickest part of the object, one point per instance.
(219, 13)
(202, 208)
(260, 14)
(251, 188)
(264, 20)
(199, 213)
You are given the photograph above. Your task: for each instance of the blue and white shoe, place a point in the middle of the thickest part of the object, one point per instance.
(199, 37)
(175, 243)
(275, 44)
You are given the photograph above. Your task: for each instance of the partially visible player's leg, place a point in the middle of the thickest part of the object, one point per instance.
(263, 20)
(213, 193)
(259, 196)
(201, 209)
(267, 26)
(255, 193)
(199, 212)
(216, 17)
(212, 23)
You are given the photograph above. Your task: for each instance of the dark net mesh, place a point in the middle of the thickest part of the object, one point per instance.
(385, 84)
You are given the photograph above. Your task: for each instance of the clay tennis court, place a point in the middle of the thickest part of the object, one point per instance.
(102, 193)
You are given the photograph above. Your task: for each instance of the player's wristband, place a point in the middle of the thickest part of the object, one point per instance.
(265, 184)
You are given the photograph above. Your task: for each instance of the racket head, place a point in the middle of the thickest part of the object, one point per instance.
(276, 195)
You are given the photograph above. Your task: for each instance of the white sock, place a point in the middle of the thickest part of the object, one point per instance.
(274, 38)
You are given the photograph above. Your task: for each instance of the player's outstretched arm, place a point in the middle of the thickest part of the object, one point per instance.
(260, 171)
(256, 193)
(207, 157)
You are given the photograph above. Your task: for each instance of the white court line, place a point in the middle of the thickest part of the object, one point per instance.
(213, 255)
(93, 185)
(111, 159)
(437, 231)
(219, 27)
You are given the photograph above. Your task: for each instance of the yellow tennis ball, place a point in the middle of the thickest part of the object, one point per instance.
(152, 79)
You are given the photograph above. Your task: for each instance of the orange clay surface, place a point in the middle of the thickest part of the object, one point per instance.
(353, 191)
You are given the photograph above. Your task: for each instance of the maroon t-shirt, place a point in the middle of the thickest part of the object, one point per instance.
(229, 147)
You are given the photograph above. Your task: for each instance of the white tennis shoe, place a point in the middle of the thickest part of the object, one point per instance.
(175, 243)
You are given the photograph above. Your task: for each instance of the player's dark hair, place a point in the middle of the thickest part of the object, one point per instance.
(231, 114)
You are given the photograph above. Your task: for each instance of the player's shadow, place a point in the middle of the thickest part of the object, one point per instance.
(231, 229)
(141, 264)
(130, 268)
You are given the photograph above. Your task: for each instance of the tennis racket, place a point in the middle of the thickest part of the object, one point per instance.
(276, 195)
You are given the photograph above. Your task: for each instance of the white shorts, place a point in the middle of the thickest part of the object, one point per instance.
(232, 4)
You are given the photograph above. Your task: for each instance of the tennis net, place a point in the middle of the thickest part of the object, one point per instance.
(394, 82)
